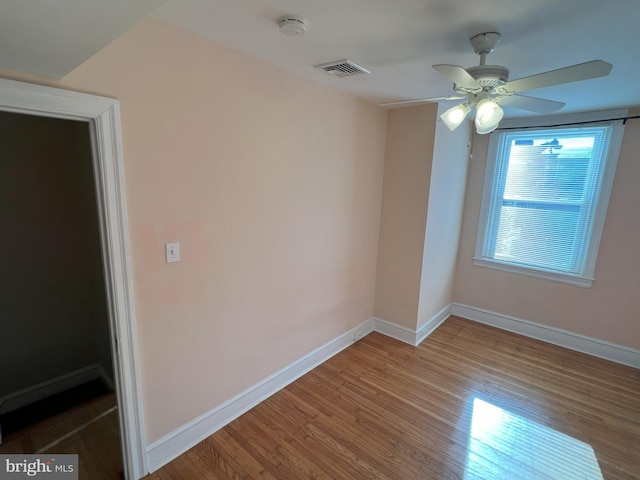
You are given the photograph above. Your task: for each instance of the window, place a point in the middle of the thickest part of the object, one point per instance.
(545, 196)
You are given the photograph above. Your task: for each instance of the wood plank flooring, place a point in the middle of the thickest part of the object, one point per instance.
(471, 402)
(90, 430)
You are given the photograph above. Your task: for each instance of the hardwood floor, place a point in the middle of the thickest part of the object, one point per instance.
(471, 402)
(90, 430)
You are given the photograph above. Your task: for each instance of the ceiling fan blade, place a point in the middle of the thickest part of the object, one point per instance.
(574, 73)
(533, 104)
(459, 76)
(406, 103)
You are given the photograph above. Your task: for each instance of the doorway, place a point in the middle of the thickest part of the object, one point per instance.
(55, 321)
(108, 348)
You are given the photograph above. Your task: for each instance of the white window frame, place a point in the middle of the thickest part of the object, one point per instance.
(586, 277)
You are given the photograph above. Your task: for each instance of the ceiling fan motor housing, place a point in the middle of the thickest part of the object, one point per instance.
(488, 76)
(484, 42)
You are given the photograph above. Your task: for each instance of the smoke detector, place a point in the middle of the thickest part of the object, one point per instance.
(292, 25)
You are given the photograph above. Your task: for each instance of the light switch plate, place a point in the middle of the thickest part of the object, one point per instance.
(173, 252)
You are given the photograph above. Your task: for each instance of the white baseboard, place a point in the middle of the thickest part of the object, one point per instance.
(427, 329)
(106, 378)
(394, 330)
(29, 395)
(406, 335)
(556, 336)
(165, 449)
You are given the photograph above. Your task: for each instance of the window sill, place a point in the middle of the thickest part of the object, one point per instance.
(576, 280)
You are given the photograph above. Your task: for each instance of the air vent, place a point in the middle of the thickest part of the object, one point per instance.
(342, 68)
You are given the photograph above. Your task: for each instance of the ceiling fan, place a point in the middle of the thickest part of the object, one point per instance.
(486, 87)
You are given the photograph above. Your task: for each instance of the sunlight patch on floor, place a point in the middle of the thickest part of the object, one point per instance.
(505, 446)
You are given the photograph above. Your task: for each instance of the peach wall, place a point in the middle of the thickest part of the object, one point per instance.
(444, 219)
(610, 309)
(272, 185)
(407, 172)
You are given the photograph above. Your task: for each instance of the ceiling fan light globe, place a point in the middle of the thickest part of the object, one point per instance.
(488, 116)
(453, 117)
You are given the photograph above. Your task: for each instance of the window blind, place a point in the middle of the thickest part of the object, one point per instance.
(544, 196)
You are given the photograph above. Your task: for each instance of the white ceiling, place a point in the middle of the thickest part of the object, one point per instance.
(397, 40)
(51, 38)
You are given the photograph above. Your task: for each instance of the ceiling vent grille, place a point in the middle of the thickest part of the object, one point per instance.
(342, 68)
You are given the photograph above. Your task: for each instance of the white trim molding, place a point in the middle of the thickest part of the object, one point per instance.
(103, 116)
(434, 322)
(394, 330)
(595, 198)
(563, 338)
(406, 335)
(165, 449)
(170, 446)
(175, 443)
(27, 396)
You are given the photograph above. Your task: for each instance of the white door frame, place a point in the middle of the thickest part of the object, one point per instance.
(103, 116)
